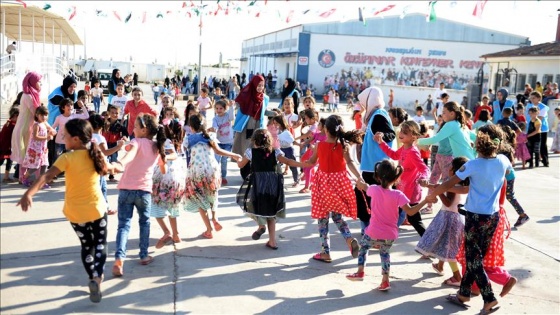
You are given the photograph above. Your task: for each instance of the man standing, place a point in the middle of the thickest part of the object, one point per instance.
(439, 102)
(274, 80)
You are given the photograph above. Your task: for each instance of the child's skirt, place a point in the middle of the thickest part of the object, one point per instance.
(443, 236)
(332, 192)
(521, 152)
(168, 190)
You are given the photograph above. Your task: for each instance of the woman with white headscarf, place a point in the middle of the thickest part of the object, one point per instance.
(376, 119)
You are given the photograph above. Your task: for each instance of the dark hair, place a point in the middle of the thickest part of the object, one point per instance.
(510, 137)
(120, 85)
(412, 127)
(222, 103)
(65, 102)
(484, 115)
(522, 125)
(507, 111)
(149, 122)
(423, 128)
(41, 110)
(468, 114)
(137, 89)
(197, 123)
(17, 101)
(519, 106)
(82, 129)
(387, 172)
(419, 108)
(204, 90)
(489, 140)
(96, 121)
(456, 108)
(400, 114)
(14, 111)
(281, 120)
(187, 110)
(536, 94)
(310, 113)
(322, 121)
(262, 139)
(81, 93)
(444, 95)
(456, 164)
(174, 132)
(533, 110)
(334, 126)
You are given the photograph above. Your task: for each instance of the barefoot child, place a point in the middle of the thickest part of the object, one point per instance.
(168, 192)
(135, 186)
(382, 230)
(84, 205)
(203, 174)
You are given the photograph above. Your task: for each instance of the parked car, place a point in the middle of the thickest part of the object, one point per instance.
(104, 75)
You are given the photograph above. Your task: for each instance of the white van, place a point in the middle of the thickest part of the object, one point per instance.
(104, 75)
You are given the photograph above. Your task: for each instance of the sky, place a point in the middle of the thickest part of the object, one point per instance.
(174, 37)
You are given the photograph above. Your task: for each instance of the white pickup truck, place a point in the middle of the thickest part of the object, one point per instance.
(104, 75)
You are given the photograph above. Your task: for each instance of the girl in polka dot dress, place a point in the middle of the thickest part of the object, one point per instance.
(332, 193)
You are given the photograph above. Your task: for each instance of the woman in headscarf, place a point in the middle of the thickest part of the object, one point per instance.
(376, 119)
(250, 116)
(500, 103)
(30, 100)
(288, 90)
(112, 84)
(67, 90)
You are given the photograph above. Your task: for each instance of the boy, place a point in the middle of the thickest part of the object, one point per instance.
(506, 120)
(119, 100)
(97, 94)
(217, 94)
(485, 100)
(419, 115)
(6, 143)
(113, 131)
(535, 98)
(204, 102)
(534, 136)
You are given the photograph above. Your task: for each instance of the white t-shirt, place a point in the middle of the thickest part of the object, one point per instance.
(99, 139)
(96, 92)
(439, 103)
(418, 119)
(286, 139)
(203, 103)
(224, 131)
(119, 101)
(291, 119)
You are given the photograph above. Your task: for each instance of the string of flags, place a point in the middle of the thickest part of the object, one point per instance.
(256, 8)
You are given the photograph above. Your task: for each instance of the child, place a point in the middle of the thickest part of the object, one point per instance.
(221, 125)
(424, 150)
(273, 128)
(113, 131)
(520, 114)
(36, 157)
(191, 110)
(291, 118)
(80, 104)
(264, 202)
(286, 141)
(429, 103)
(6, 143)
(135, 186)
(332, 99)
(444, 235)
(507, 121)
(157, 91)
(203, 179)
(87, 89)
(413, 168)
(534, 136)
(84, 205)
(332, 193)
(359, 109)
(555, 148)
(325, 101)
(484, 118)
(336, 100)
(134, 108)
(419, 115)
(319, 135)
(65, 115)
(521, 150)
(398, 116)
(484, 106)
(168, 190)
(119, 101)
(468, 119)
(486, 174)
(382, 230)
(97, 95)
(97, 123)
(204, 102)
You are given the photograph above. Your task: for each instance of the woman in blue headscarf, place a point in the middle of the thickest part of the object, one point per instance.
(500, 103)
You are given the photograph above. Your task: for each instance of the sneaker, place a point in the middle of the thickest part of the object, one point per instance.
(521, 221)
(384, 286)
(358, 276)
(426, 211)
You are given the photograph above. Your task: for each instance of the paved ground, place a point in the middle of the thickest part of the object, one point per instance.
(41, 272)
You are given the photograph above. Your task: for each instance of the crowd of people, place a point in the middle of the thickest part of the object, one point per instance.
(176, 161)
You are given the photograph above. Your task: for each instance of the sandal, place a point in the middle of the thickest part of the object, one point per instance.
(94, 291)
(207, 235)
(439, 272)
(490, 311)
(318, 257)
(270, 246)
(354, 248)
(176, 239)
(257, 234)
(163, 241)
(295, 184)
(146, 261)
(452, 282)
(112, 212)
(118, 268)
(453, 298)
(217, 226)
(304, 191)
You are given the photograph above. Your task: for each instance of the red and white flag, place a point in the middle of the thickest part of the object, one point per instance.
(478, 8)
(385, 9)
(326, 14)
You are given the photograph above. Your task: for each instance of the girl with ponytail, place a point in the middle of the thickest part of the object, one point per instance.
(84, 205)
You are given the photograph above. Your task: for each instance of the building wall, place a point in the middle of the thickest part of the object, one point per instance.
(529, 70)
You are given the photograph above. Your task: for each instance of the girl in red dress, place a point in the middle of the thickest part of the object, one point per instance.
(332, 193)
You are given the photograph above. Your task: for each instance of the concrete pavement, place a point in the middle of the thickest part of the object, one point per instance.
(41, 271)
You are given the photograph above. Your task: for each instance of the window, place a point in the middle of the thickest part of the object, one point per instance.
(521, 80)
(546, 78)
(532, 80)
(557, 79)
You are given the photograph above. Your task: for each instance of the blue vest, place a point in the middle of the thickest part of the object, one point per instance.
(54, 110)
(497, 113)
(242, 119)
(371, 152)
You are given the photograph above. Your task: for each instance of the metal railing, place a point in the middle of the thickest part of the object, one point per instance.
(7, 65)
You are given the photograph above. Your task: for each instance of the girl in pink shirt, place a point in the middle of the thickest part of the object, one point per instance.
(135, 186)
(382, 230)
(414, 168)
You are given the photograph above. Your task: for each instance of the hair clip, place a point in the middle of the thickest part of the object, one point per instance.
(496, 141)
(338, 127)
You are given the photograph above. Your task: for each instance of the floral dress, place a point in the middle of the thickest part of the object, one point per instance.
(168, 190)
(203, 175)
(37, 152)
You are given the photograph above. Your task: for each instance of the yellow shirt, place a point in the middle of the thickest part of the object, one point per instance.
(83, 199)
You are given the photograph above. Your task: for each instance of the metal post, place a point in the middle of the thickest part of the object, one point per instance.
(52, 37)
(44, 33)
(33, 32)
(200, 52)
(4, 27)
(60, 45)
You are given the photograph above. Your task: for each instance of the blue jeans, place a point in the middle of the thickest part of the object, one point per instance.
(222, 160)
(113, 157)
(60, 148)
(103, 184)
(97, 104)
(231, 95)
(143, 202)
